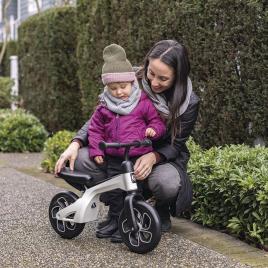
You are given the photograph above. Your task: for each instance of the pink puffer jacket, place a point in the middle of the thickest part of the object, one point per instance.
(110, 127)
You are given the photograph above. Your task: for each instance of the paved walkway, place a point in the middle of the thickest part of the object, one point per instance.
(27, 239)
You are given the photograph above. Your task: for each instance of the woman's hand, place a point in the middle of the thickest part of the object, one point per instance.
(69, 154)
(144, 165)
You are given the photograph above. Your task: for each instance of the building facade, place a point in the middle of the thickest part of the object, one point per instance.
(18, 11)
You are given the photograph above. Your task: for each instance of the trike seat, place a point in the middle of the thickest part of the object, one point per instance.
(77, 177)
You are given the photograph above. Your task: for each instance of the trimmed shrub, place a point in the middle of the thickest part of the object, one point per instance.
(11, 49)
(231, 190)
(5, 92)
(20, 131)
(48, 81)
(54, 147)
(227, 43)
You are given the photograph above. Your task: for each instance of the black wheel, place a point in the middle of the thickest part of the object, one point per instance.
(65, 229)
(149, 233)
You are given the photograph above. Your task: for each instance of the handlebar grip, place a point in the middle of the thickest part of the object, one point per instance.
(103, 145)
(146, 142)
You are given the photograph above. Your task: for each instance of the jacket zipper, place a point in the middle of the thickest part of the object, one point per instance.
(117, 128)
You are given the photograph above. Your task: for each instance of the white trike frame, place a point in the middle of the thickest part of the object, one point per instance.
(86, 208)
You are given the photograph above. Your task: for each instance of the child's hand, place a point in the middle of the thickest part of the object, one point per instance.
(149, 132)
(98, 160)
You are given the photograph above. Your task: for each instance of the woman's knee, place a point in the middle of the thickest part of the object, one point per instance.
(82, 159)
(164, 182)
(84, 164)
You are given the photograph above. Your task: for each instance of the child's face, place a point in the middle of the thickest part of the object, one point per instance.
(120, 90)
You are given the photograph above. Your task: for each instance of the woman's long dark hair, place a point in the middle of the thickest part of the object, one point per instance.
(174, 55)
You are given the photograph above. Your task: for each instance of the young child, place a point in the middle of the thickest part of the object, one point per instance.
(125, 114)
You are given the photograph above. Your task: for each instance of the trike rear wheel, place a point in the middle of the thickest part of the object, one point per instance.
(65, 229)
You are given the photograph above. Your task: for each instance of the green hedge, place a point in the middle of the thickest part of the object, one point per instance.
(5, 92)
(20, 131)
(48, 80)
(227, 42)
(54, 147)
(11, 50)
(231, 190)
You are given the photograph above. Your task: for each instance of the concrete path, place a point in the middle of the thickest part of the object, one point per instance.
(27, 239)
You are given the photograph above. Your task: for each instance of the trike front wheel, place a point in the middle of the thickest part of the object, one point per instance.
(148, 235)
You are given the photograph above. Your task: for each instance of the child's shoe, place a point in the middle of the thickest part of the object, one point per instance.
(108, 229)
(103, 223)
(116, 237)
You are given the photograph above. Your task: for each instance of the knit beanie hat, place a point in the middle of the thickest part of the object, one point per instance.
(116, 67)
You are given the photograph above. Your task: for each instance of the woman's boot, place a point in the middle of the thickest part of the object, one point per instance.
(163, 212)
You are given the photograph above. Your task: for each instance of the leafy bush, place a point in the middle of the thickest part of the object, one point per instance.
(53, 148)
(20, 132)
(5, 92)
(231, 190)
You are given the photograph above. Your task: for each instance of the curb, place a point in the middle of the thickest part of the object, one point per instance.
(221, 243)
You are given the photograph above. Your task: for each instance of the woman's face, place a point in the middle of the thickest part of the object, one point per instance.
(160, 75)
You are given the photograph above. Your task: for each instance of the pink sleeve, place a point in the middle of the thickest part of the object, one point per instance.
(96, 133)
(154, 120)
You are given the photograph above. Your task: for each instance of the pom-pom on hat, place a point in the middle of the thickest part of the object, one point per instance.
(116, 67)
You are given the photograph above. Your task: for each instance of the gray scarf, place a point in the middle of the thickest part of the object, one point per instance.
(160, 101)
(118, 106)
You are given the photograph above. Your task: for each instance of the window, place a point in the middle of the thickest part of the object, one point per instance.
(32, 5)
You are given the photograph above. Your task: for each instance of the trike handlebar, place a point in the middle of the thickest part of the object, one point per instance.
(104, 145)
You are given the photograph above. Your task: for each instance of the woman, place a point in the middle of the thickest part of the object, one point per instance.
(163, 172)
